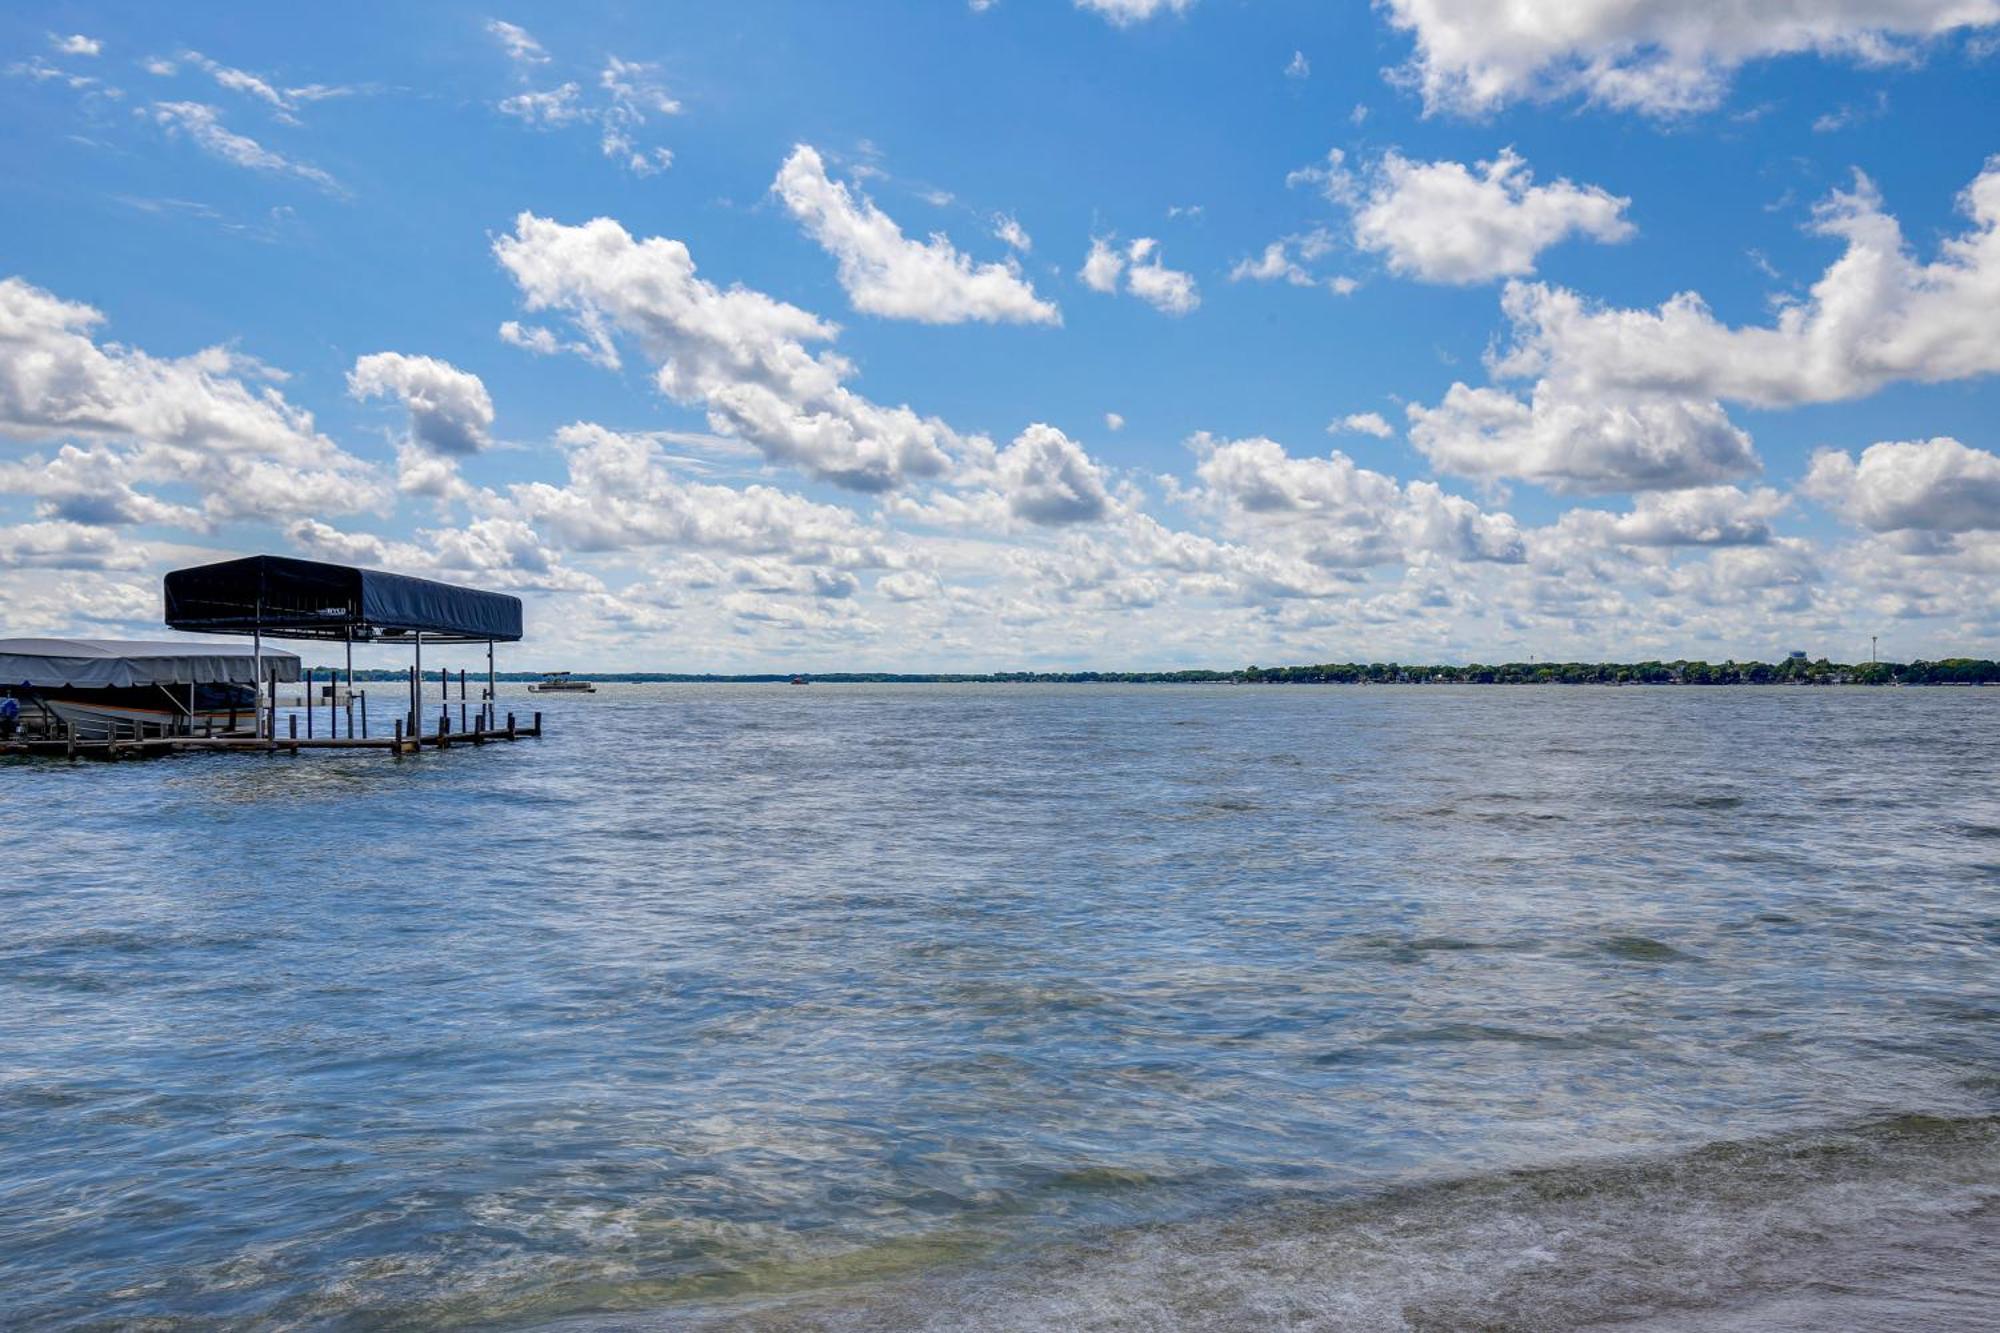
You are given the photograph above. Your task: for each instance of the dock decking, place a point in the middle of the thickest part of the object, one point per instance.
(153, 746)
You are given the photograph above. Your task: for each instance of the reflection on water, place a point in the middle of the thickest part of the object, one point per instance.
(865, 1006)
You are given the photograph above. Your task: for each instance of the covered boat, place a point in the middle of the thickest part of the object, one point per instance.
(104, 688)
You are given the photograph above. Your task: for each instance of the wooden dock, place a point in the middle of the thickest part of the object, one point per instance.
(444, 738)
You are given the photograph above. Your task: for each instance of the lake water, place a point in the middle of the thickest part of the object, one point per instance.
(1020, 1007)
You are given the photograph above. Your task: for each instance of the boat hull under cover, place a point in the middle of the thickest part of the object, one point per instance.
(95, 715)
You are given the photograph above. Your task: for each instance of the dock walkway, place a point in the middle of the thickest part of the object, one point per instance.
(154, 746)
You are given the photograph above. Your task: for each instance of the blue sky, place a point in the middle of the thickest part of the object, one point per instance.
(1029, 333)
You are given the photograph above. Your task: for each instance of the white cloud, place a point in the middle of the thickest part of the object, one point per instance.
(1440, 222)
(1698, 516)
(629, 95)
(1571, 441)
(1935, 485)
(62, 545)
(1048, 478)
(450, 411)
(203, 125)
(1167, 290)
(886, 273)
(192, 422)
(1631, 399)
(1271, 266)
(282, 102)
(1102, 266)
(739, 353)
(1472, 56)
(557, 106)
(1333, 513)
(1006, 228)
(519, 45)
(632, 94)
(1363, 423)
(1113, 422)
(1875, 316)
(1300, 68)
(621, 496)
(76, 44)
(1124, 13)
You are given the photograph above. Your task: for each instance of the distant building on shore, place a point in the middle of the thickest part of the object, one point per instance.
(1797, 654)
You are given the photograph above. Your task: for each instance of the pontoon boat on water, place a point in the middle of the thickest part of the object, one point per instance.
(561, 682)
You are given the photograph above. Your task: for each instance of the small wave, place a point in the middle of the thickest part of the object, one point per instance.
(1890, 1224)
(1641, 949)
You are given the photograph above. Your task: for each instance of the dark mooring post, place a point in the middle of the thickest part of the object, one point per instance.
(350, 682)
(364, 715)
(492, 698)
(309, 706)
(399, 737)
(416, 686)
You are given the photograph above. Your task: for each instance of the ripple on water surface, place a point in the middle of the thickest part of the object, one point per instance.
(1115, 1007)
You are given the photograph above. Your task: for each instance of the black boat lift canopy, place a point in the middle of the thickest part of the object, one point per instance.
(280, 597)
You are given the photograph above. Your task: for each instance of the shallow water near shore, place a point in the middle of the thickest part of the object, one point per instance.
(1018, 1007)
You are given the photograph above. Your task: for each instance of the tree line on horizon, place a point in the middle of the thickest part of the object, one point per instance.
(1793, 671)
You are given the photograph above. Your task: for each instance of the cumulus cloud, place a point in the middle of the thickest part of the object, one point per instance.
(739, 353)
(1362, 423)
(1286, 259)
(1167, 290)
(1698, 516)
(886, 273)
(1333, 512)
(61, 545)
(1568, 440)
(1935, 485)
(197, 421)
(76, 44)
(1472, 56)
(202, 125)
(1632, 399)
(620, 495)
(450, 411)
(1124, 13)
(1102, 266)
(1048, 478)
(1442, 222)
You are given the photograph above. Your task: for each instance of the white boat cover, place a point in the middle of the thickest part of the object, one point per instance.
(108, 663)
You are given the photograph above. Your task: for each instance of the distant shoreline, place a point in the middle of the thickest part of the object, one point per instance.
(1947, 671)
